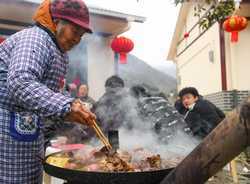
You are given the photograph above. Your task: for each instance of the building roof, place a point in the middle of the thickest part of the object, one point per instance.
(106, 12)
(104, 22)
(116, 14)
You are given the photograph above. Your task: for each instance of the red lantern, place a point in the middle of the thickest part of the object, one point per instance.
(122, 46)
(234, 24)
(186, 35)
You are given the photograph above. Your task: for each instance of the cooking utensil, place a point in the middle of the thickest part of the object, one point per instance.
(101, 136)
(113, 137)
(85, 177)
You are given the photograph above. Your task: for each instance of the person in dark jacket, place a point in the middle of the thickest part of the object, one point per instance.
(201, 115)
(112, 108)
(138, 108)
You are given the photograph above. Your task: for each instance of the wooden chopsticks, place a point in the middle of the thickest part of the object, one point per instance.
(99, 132)
(101, 136)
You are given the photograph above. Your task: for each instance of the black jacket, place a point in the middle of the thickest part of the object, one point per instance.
(203, 118)
(112, 110)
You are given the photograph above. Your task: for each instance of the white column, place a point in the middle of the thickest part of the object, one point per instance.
(100, 65)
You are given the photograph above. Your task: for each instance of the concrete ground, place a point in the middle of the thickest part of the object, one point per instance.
(225, 178)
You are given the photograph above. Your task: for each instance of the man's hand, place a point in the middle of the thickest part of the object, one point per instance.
(80, 114)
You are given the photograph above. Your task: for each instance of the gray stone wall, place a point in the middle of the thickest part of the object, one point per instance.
(227, 100)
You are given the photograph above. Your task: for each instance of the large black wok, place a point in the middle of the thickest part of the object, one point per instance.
(85, 177)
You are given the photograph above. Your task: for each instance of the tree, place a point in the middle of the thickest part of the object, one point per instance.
(216, 12)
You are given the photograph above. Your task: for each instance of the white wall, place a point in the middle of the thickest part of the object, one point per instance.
(238, 61)
(100, 65)
(190, 21)
(194, 67)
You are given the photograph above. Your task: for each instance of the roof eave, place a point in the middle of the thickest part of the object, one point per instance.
(115, 14)
(101, 11)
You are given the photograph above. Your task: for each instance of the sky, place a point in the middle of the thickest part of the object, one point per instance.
(152, 39)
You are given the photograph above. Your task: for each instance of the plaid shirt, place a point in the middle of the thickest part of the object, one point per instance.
(34, 67)
(31, 69)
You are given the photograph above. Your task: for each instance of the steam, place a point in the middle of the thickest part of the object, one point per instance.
(180, 146)
(142, 135)
(78, 57)
(136, 132)
(78, 65)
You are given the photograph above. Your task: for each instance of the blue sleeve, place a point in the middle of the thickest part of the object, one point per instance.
(28, 62)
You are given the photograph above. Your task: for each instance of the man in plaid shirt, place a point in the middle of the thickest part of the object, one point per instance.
(33, 63)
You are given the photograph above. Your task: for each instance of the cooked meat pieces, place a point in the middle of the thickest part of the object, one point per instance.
(115, 163)
(155, 161)
(120, 161)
